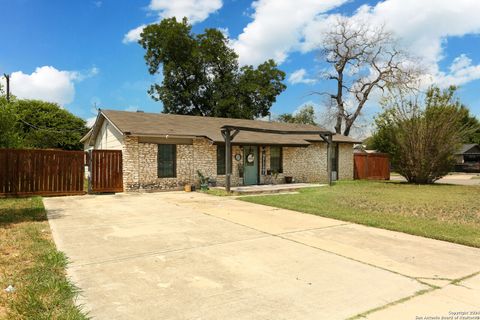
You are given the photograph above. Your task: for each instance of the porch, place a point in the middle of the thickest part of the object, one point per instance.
(272, 188)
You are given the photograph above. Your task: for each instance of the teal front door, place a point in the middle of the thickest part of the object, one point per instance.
(250, 165)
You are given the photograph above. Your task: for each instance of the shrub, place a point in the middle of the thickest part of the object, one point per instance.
(422, 139)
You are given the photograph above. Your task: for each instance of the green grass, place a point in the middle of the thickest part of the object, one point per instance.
(445, 212)
(31, 263)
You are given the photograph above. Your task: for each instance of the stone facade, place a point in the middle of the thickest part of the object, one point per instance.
(345, 161)
(130, 160)
(307, 164)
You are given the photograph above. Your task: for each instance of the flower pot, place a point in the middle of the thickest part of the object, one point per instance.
(288, 179)
(188, 188)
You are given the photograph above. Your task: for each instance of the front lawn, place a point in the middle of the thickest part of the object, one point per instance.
(30, 262)
(444, 212)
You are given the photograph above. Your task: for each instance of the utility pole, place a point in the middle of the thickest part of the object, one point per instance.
(7, 78)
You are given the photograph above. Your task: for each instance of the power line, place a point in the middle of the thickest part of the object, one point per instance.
(51, 129)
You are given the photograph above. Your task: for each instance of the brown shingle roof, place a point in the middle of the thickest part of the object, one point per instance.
(159, 124)
(471, 148)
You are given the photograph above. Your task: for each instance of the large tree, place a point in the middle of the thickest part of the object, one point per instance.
(306, 115)
(422, 138)
(201, 74)
(47, 125)
(363, 58)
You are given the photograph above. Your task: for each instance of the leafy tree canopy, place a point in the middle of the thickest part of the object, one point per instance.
(201, 74)
(39, 124)
(306, 115)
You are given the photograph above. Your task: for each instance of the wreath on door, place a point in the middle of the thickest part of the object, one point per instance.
(250, 158)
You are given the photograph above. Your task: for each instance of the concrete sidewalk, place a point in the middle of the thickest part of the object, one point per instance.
(193, 256)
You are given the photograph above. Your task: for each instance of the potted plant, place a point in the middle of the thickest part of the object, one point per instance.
(187, 187)
(203, 181)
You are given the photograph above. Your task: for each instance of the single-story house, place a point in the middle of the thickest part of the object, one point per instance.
(165, 151)
(468, 153)
(468, 158)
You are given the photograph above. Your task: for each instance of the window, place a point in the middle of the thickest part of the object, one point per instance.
(276, 161)
(167, 161)
(220, 159)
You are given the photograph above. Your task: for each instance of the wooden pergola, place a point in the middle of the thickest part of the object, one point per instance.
(229, 132)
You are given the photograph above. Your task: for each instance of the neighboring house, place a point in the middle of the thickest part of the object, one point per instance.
(359, 148)
(164, 151)
(468, 158)
(468, 153)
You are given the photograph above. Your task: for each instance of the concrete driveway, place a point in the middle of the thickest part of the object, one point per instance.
(182, 255)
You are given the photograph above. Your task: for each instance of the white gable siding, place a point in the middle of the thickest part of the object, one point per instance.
(108, 138)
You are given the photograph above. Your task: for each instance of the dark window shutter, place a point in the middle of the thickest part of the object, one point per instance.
(220, 159)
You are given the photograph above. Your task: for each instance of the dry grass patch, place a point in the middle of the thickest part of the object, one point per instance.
(30, 262)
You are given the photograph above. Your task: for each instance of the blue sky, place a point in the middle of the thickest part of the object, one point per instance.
(79, 52)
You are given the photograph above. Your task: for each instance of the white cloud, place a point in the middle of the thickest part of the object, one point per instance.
(276, 29)
(299, 76)
(48, 83)
(133, 35)
(461, 71)
(422, 26)
(280, 27)
(194, 10)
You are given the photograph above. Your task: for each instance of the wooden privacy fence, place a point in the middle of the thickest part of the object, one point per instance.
(106, 171)
(373, 166)
(41, 172)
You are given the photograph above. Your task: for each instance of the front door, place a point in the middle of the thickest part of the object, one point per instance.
(250, 164)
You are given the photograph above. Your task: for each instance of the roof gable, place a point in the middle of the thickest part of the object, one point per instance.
(471, 148)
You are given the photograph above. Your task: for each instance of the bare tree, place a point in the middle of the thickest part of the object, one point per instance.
(364, 58)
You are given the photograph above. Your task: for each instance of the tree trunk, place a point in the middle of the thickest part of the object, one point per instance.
(348, 127)
(338, 125)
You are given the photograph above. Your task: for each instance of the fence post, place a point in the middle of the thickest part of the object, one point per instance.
(89, 178)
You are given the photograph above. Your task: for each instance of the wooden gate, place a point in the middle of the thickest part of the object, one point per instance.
(25, 172)
(106, 171)
(373, 166)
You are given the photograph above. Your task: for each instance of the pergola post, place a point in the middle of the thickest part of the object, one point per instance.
(228, 156)
(329, 159)
(228, 136)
